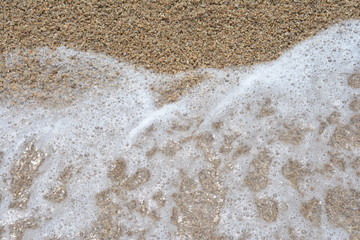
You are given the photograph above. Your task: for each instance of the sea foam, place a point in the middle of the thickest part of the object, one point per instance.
(260, 152)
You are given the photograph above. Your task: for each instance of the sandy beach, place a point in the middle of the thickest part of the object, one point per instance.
(180, 119)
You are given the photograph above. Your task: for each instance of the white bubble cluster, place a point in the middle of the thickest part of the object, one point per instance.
(291, 109)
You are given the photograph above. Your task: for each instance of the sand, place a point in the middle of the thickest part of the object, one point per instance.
(168, 38)
(171, 36)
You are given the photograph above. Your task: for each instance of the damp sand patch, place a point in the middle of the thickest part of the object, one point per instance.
(174, 36)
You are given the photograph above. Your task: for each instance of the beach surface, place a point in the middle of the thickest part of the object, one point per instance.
(182, 120)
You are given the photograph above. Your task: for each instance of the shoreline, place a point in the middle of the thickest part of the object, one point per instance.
(172, 37)
(269, 151)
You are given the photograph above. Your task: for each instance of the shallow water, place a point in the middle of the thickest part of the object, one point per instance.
(264, 152)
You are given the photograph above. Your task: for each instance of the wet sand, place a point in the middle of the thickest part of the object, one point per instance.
(173, 36)
(165, 37)
(169, 39)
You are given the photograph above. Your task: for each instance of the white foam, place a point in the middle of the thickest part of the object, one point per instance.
(306, 84)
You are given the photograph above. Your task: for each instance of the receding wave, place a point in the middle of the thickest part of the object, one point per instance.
(92, 148)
